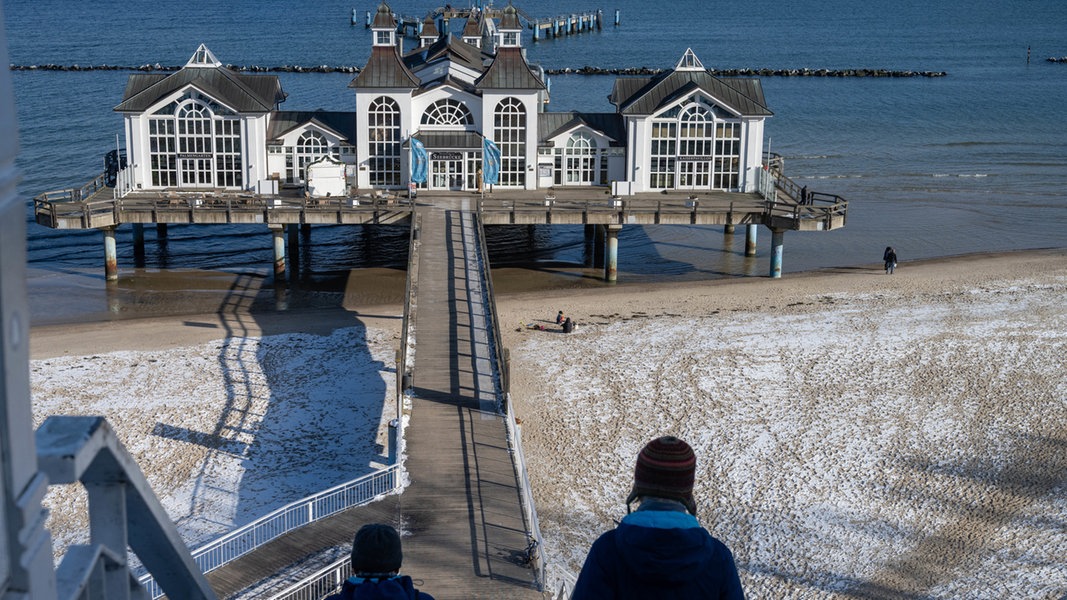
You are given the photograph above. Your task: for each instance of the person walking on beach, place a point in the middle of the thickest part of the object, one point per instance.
(660, 550)
(890, 258)
(376, 558)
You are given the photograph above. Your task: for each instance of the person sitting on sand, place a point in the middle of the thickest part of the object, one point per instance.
(376, 558)
(559, 318)
(660, 550)
(568, 325)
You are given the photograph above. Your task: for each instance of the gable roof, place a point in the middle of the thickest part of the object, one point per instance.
(342, 124)
(551, 124)
(448, 48)
(509, 70)
(646, 95)
(385, 69)
(243, 93)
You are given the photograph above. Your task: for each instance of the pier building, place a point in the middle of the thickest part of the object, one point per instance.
(464, 115)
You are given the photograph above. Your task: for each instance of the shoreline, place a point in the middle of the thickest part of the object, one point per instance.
(220, 307)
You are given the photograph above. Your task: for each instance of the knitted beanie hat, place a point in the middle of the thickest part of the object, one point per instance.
(376, 549)
(666, 468)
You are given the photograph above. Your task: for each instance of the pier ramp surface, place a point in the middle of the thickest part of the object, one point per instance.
(461, 517)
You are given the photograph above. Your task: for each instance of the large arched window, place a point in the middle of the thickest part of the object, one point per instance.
(509, 131)
(580, 159)
(311, 146)
(195, 142)
(447, 112)
(692, 147)
(383, 119)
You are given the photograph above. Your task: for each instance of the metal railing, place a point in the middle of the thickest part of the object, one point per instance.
(405, 358)
(535, 549)
(245, 539)
(323, 582)
(499, 352)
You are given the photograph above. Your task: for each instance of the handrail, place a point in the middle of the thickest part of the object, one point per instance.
(500, 353)
(325, 581)
(294, 515)
(123, 512)
(405, 356)
(535, 551)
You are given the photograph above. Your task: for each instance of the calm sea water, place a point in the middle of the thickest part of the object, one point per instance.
(935, 167)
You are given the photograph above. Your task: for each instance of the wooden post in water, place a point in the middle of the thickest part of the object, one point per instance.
(777, 241)
(294, 247)
(111, 261)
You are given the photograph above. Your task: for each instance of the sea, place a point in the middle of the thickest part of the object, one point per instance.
(975, 161)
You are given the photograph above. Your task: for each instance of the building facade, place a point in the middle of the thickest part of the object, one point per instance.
(207, 126)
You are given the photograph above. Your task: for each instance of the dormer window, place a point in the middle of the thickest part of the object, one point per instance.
(383, 38)
(509, 39)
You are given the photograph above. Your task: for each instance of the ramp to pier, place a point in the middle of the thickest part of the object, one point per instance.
(462, 509)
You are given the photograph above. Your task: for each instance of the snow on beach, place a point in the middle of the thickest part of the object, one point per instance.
(892, 443)
(229, 430)
(857, 434)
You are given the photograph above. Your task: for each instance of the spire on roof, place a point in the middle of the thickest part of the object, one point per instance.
(203, 58)
(689, 62)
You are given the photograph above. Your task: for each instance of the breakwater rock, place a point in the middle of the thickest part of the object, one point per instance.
(587, 70)
(1062, 59)
(805, 72)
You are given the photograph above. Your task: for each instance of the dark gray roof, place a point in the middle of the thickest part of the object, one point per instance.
(385, 69)
(510, 19)
(383, 18)
(509, 70)
(551, 124)
(448, 140)
(448, 48)
(473, 28)
(429, 28)
(243, 93)
(646, 95)
(341, 123)
(446, 80)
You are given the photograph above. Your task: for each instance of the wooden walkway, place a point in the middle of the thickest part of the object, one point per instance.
(462, 518)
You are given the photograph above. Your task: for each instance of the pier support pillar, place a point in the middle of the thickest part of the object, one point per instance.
(294, 246)
(598, 246)
(278, 233)
(111, 260)
(611, 273)
(138, 242)
(777, 241)
(750, 239)
(161, 231)
(728, 229)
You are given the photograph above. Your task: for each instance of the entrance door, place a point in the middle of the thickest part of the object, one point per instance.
(196, 172)
(447, 174)
(694, 174)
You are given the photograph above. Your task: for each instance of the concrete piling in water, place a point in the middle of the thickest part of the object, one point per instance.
(294, 246)
(750, 239)
(616, 17)
(777, 241)
(278, 233)
(111, 261)
(611, 265)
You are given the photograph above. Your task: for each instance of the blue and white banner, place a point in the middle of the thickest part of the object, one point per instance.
(490, 162)
(420, 161)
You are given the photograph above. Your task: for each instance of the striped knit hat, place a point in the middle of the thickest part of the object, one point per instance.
(666, 468)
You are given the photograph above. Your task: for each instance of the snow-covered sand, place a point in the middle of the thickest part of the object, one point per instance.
(858, 434)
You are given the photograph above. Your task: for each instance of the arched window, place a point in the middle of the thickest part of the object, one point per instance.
(580, 159)
(509, 131)
(311, 146)
(692, 147)
(195, 142)
(383, 119)
(447, 112)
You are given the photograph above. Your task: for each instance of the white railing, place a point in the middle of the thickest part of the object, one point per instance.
(245, 539)
(324, 582)
(534, 553)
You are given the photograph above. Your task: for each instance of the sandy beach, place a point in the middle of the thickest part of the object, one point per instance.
(859, 434)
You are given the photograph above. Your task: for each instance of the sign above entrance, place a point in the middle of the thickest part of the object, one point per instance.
(446, 155)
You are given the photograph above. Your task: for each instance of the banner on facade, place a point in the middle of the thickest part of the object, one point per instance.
(490, 162)
(419, 161)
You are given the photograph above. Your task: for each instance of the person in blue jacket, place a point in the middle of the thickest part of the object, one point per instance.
(376, 558)
(660, 550)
